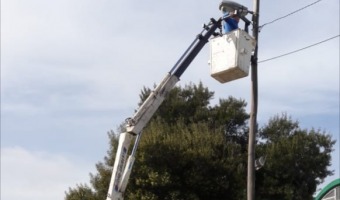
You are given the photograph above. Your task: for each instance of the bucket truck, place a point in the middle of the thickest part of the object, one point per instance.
(134, 126)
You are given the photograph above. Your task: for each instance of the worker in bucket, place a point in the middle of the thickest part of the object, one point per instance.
(230, 21)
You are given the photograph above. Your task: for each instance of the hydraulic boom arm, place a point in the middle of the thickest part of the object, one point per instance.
(134, 126)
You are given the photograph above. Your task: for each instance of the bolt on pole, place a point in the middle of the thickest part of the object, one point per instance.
(254, 104)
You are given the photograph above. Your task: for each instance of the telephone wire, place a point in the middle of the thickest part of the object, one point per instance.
(298, 49)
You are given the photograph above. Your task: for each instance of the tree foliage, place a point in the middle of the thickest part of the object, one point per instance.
(192, 150)
(81, 192)
(185, 162)
(297, 160)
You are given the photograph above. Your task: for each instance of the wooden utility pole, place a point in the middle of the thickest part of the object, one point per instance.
(253, 112)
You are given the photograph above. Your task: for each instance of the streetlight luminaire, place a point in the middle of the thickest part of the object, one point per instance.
(231, 6)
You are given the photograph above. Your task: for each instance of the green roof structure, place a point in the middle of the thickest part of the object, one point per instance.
(330, 192)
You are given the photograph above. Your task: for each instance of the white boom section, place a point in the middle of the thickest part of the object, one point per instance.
(151, 104)
(134, 126)
(122, 169)
(118, 167)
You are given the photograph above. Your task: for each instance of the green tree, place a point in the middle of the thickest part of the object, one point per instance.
(192, 150)
(297, 160)
(80, 192)
(186, 162)
(184, 148)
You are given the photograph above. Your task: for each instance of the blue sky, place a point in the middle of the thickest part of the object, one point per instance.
(73, 70)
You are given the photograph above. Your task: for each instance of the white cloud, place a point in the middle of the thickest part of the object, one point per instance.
(37, 175)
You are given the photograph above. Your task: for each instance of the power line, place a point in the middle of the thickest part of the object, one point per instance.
(299, 49)
(260, 27)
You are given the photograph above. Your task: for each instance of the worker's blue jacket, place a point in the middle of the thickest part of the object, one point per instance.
(229, 24)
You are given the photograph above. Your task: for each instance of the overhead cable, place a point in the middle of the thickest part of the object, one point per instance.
(299, 49)
(260, 27)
